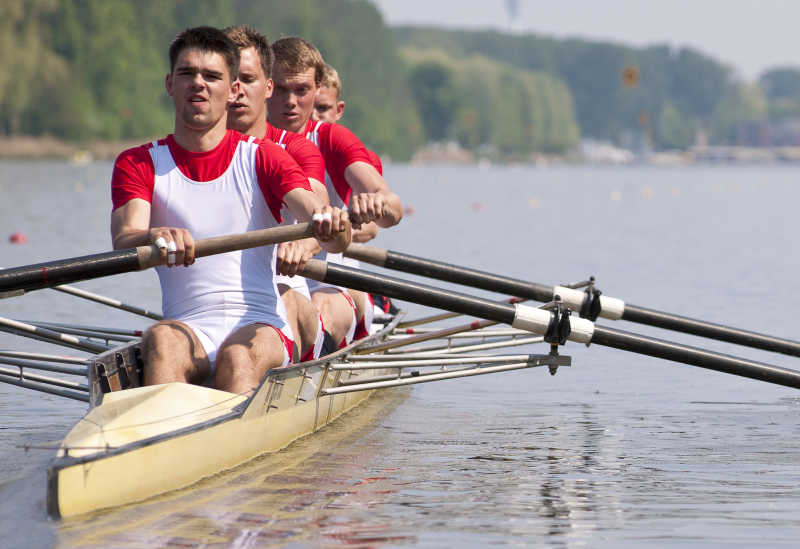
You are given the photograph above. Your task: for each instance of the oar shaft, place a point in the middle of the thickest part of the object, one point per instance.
(611, 308)
(534, 320)
(694, 356)
(659, 319)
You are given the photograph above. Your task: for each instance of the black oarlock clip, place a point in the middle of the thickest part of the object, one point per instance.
(590, 308)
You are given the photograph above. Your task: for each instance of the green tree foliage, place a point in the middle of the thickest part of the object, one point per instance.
(481, 102)
(738, 111)
(782, 89)
(671, 82)
(436, 97)
(94, 69)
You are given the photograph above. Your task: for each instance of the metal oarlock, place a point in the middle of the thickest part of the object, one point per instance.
(558, 329)
(591, 306)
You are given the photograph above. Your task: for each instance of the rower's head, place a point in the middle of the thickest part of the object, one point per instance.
(203, 65)
(248, 112)
(328, 105)
(297, 73)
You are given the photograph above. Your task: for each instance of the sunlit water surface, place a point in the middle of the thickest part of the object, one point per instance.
(619, 450)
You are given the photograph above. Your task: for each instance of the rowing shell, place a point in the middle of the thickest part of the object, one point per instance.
(136, 442)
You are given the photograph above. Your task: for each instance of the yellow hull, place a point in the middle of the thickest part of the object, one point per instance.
(145, 441)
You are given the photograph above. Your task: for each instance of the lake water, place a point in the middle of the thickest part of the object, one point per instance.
(619, 450)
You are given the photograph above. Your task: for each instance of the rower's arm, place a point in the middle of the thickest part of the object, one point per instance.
(335, 235)
(363, 178)
(130, 224)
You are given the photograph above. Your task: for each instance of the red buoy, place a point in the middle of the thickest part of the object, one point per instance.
(18, 238)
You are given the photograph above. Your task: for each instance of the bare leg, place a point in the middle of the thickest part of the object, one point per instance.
(172, 352)
(246, 355)
(303, 318)
(337, 314)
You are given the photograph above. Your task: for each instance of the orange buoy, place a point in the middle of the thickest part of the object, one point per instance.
(18, 238)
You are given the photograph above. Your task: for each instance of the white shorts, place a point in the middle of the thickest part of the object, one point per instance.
(213, 331)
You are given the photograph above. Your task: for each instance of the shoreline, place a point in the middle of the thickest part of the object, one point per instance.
(47, 148)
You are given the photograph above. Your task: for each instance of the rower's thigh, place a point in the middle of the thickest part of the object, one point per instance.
(255, 348)
(336, 311)
(172, 348)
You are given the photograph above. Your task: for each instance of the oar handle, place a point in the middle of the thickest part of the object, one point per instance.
(150, 256)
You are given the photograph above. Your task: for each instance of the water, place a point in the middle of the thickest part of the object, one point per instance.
(619, 450)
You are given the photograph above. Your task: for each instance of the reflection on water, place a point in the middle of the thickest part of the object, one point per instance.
(616, 451)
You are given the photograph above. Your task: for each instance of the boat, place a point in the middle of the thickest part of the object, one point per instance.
(149, 440)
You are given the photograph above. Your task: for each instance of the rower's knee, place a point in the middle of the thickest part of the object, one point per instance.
(168, 354)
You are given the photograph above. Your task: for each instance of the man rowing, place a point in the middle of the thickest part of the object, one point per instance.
(248, 115)
(224, 315)
(329, 107)
(352, 181)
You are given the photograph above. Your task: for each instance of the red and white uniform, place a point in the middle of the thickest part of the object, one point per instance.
(236, 187)
(340, 148)
(309, 158)
(364, 325)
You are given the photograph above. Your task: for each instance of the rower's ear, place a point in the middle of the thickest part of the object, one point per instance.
(168, 84)
(339, 109)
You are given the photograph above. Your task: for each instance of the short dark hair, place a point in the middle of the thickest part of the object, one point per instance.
(247, 37)
(207, 39)
(295, 55)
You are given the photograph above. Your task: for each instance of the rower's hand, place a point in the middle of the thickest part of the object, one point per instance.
(329, 223)
(175, 245)
(293, 256)
(366, 207)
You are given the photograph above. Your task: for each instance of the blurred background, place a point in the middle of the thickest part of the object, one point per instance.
(523, 81)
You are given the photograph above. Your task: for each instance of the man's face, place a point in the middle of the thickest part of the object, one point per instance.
(200, 87)
(327, 106)
(292, 102)
(249, 108)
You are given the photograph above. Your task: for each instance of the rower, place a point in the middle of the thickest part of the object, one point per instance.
(351, 179)
(224, 317)
(248, 115)
(329, 107)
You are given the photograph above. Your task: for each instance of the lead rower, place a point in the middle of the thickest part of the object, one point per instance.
(351, 179)
(224, 317)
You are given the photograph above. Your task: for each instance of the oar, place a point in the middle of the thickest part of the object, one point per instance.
(544, 322)
(591, 304)
(62, 271)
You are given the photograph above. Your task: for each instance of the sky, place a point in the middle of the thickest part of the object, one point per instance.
(748, 35)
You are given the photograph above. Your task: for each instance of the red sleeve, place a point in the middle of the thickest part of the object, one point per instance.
(277, 174)
(344, 145)
(307, 155)
(375, 160)
(133, 176)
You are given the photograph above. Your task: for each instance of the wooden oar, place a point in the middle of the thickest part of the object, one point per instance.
(62, 271)
(577, 300)
(542, 321)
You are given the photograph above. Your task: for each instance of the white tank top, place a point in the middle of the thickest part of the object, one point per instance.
(233, 285)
